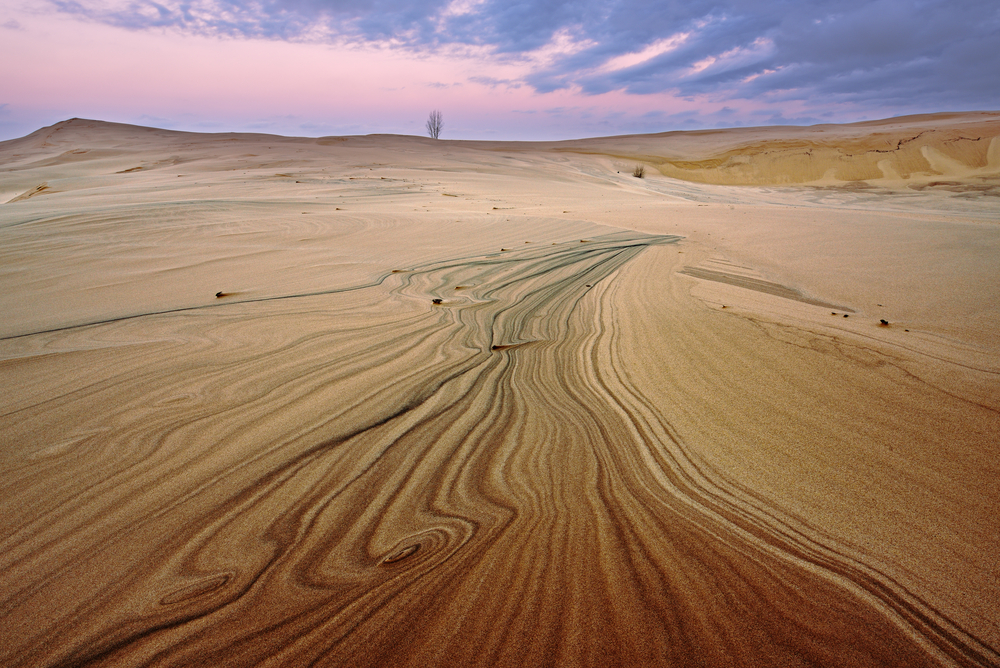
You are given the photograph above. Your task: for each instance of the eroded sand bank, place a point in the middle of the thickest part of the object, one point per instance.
(636, 429)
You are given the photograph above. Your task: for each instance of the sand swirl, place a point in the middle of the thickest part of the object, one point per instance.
(366, 477)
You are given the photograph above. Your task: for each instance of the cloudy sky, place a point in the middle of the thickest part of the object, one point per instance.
(497, 69)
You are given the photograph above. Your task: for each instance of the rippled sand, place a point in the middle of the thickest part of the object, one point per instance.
(384, 401)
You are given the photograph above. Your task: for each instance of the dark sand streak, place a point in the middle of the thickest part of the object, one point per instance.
(758, 285)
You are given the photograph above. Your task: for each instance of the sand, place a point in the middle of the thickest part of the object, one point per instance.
(386, 400)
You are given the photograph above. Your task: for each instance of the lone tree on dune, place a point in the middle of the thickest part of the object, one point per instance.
(434, 124)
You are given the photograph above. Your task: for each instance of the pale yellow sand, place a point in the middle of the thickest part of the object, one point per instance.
(636, 430)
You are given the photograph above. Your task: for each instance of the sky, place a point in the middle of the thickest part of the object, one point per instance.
(496, 69)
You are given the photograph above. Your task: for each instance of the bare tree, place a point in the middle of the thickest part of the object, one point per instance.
(434, 124)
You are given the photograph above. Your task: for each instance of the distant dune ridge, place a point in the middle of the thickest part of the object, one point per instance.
(916, 151)
(384, 400)
(956, 151)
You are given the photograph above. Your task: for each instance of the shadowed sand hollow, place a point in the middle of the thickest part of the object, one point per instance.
(384, 401)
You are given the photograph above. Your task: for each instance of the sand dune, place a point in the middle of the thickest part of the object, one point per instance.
(383, 400)
(955, 152)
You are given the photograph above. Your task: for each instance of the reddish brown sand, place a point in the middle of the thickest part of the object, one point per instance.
(237, 430)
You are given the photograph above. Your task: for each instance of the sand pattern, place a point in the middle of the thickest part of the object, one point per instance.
(550, 450)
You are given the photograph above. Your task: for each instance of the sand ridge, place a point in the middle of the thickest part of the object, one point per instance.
(384, 400)
(956, 152)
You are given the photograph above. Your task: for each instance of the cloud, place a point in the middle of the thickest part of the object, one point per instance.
(493, 82)
(650, 51)
(230, 18)
(887, 53)
(735, 58)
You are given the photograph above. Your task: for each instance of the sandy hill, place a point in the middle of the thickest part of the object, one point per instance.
(955, 149)
(959, 152)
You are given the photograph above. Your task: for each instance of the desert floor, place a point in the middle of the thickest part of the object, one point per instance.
(390, 401)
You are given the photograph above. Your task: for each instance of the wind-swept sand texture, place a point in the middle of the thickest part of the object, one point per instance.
(385, 401)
